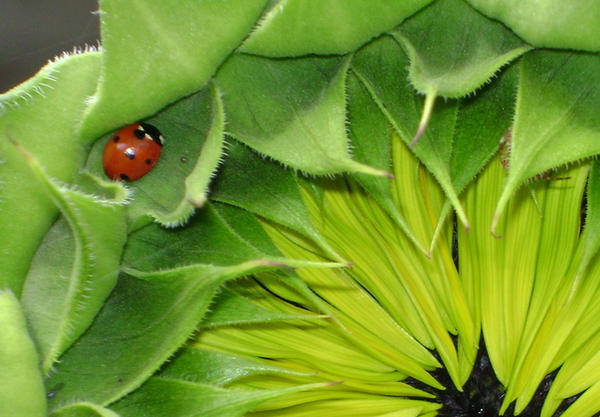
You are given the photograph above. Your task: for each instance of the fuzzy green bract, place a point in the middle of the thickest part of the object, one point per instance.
(549, 23)
(315, 238)
(43, 115)
(156, 52)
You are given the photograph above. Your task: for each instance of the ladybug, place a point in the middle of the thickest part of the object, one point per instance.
(132, 152)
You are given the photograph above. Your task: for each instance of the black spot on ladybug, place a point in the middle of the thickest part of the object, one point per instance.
(116, 139)
(148, 161)
(139, 133)
(130, 153)
(124, 177)
(153, 133)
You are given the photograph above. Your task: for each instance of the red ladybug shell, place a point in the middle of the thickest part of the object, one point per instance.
(132, 152)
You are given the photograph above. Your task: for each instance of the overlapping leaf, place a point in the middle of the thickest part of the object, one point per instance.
(178, 398)
(556, 119)
(453, 63)
(233, 309)
(158, 51)
(139, 328)
(291, 110)
(382, 67)
(549, 23)
(266, 189)
(482, 122)
(294, 111)
(298, 27)
(42, 115)
(370, 133)
(75, 267)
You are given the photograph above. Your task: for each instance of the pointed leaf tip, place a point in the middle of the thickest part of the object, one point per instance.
(198, 203)
(425, 116)
(266, 262)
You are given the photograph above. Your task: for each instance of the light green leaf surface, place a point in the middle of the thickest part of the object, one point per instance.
(83, 409)
(557, 303)
(75, 267)
(22, 391)
(556, 121)
(382, 68)
(156, 51)
(577, 374)
(587, 404)
(301, 27)
(291, 110)
(448, 62)
(178, 398)
(42, 114)
(215, 368)
(194, 140)
(551, 23)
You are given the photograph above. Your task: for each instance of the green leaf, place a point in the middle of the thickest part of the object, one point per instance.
(288, 285)
(548, 24)
(233, 309)
(262, 187)
(146, 318)
(291, 110)
(215, 368)
(298, 27)
(206, 239)
(22, 391)
(559, 93)
(194, 139)
(482, 121)
(83, 409)
(42, 114)
(177, 398)
(156, 51)
(370, 133)
(449, 62)
(244, 224)
(381, 67)
(75, 267)
(170, 279)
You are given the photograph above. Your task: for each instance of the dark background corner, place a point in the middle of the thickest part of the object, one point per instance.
(35, 31)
